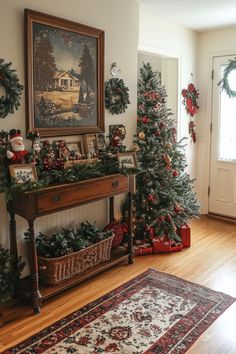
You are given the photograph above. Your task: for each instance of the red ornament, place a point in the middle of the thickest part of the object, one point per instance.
(151, 197)
(145, 120)
(175, 173)
(157, 133)
(191, 87)
(162, 125)
(184, 92)
(178, 208)
(162, 218)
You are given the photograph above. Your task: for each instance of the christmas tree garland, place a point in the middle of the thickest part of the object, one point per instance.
(10, 82)
(116, 96)
(224, 82)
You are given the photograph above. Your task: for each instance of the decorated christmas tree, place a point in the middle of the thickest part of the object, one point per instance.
(165, 199)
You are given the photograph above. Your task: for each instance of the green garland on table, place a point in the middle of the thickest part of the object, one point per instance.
(224, 82)
(70, 175)
(116, 96)
(106, 166)
(9, 80)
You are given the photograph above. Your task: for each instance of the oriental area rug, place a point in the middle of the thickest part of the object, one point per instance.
(152, 313)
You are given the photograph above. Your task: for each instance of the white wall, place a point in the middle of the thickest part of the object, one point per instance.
(211, 43)
(172, 40)
(120, 23)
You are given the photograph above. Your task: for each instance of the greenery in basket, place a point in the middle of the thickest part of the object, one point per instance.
(9, 273)
(68, 240)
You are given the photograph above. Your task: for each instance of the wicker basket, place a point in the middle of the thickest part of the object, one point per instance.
(53, 271)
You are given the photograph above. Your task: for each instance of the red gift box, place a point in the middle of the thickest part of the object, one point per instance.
(142, 251)
(164, 245)
(185, 234)
(142, 248)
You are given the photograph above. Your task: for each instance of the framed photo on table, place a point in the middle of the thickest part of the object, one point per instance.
(64, 76)
(127, 159)
(90, 145)
(23, 172)
(75, 146)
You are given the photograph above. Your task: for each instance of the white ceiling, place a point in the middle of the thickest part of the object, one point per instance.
(200, 15)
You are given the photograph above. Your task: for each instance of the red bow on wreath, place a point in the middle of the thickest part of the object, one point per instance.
(190, 101)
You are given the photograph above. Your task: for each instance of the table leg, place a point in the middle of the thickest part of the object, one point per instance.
(36, 296)
(130, 227)
(13, 244)
(111, 214)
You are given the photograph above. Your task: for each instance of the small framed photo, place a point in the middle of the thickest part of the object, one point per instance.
(90, 145)
(127, 159)
(23, 172)
(76, 147)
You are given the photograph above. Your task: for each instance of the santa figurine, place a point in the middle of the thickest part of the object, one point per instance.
(18, 153)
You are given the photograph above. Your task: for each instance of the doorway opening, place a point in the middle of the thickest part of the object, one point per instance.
(168, 67)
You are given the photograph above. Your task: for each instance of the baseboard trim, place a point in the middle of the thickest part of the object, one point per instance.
(222, 217)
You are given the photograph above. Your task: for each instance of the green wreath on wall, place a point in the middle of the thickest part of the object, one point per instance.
(116, 96)
(10, 82)
(224, 82)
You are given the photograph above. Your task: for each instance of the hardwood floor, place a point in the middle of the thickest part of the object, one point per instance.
(210, 261)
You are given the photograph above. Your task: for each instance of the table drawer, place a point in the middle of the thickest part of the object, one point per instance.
(80, 193)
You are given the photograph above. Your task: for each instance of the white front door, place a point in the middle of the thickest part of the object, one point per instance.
(222, 188)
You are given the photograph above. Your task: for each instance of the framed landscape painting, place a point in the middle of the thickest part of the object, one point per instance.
(64, 76)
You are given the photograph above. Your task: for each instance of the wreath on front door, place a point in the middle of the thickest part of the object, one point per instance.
(224, 82)
(116, 96)
(10, 82)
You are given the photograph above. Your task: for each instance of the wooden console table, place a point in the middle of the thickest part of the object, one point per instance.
(33, 204)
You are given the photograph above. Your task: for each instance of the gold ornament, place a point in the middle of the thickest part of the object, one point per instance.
(141, 135)
(168, 159)
(136, 147)
(168, 145)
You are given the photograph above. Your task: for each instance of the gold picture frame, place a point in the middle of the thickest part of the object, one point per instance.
(62, 101)
(90, 145)
(23, 172)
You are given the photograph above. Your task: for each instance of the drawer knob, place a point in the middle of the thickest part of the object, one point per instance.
(56, 198)
(115, 184)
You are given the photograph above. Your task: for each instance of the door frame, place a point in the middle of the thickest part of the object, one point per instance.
(204, 148)
(163, 52)
(215, 163)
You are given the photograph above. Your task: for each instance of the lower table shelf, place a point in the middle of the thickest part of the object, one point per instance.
(33, 204)
(24, 288)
